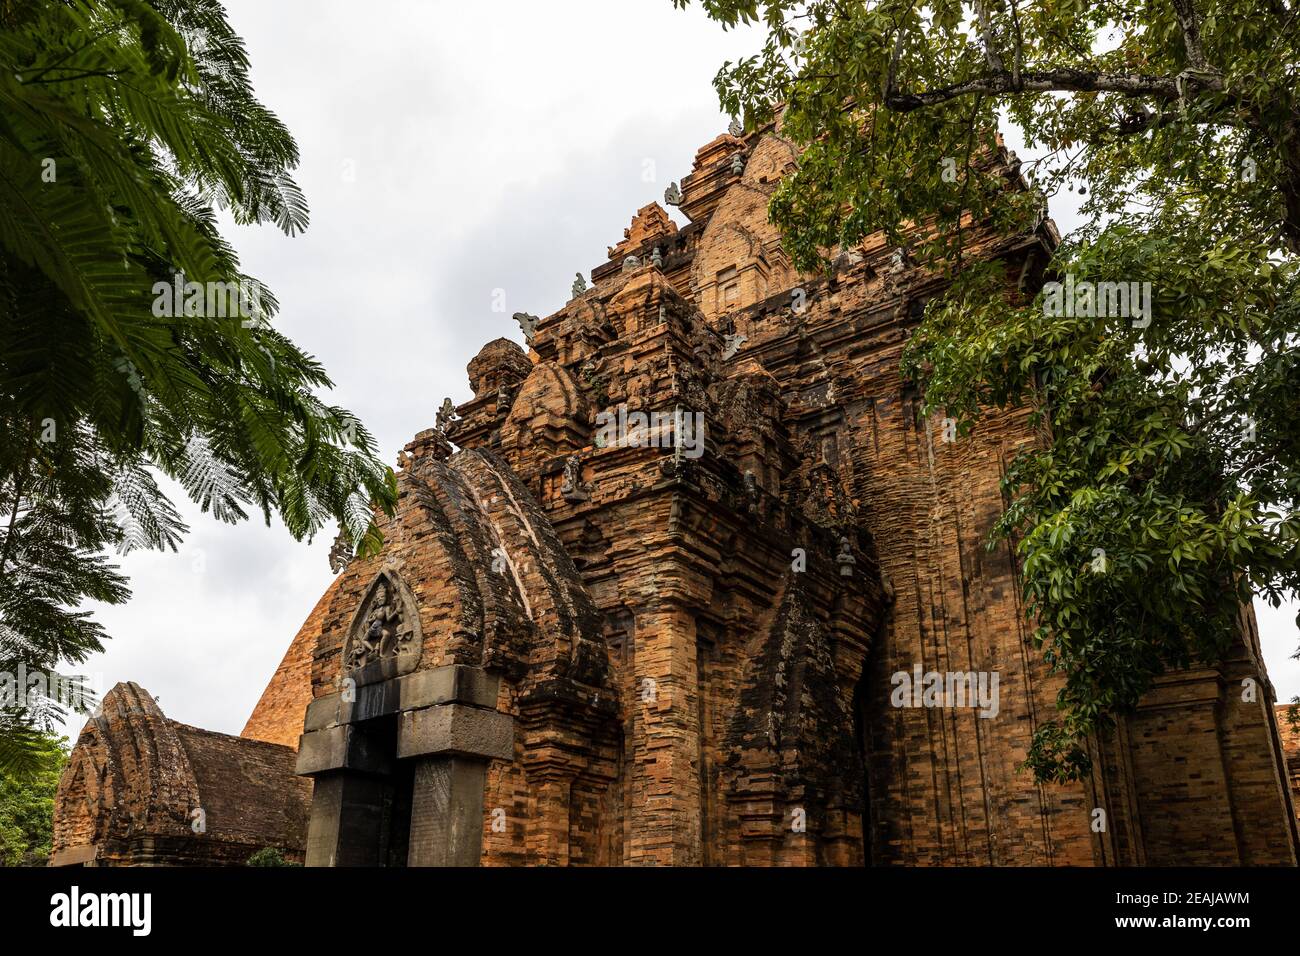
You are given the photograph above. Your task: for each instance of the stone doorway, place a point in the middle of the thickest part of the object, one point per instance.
(402, 785)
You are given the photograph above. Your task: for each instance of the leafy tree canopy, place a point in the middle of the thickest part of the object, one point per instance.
(1166, 494)
(27, 805)
(132, 341)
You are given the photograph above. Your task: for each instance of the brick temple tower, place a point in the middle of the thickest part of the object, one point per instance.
(645, 596)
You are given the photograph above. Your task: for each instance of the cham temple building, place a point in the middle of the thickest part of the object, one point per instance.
(575, 651)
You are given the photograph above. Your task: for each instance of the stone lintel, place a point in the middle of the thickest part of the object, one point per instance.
(344, 747)
(75, 855)
(456, 729)
(454, 683)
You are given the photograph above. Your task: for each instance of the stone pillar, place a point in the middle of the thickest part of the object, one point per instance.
(447, 812)
(347, 815)
(452, 744)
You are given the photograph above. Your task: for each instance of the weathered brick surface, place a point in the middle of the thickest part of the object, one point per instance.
(698, 653)
(140, 789)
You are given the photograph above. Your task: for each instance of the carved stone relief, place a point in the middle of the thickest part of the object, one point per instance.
(384, 639)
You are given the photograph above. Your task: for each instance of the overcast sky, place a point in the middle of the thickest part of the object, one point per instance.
(449, 149)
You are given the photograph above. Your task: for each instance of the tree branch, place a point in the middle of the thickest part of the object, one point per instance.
(1018, 63)
(1062, 80)
(1190, 23)
(893, 66)
(991, 53)
(891, 76)
(1143, 119)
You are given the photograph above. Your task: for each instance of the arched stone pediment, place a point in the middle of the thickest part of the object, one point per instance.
(548, 390)
(472, 574)
(384, 639)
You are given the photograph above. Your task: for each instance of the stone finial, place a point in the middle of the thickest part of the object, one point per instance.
(898, 260)
(631, 264)
(736, 128)
(738, 164)
(579, 285)
(340, 552)
(528, 323)
(673, 194)
(845, 558)
(657, 258)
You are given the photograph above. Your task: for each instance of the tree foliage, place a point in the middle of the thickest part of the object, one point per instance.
(125, 125)
(27, 805)
(268, 856)
(1163, 493)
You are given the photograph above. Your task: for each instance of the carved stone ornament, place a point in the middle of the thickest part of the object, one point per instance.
(505, 398)
(574, 489)
(384, 638)
(446, 417)
(845, 558)
(673, 195)
(847, 259)
(340, 553)
(527, 323)
(736, 128)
